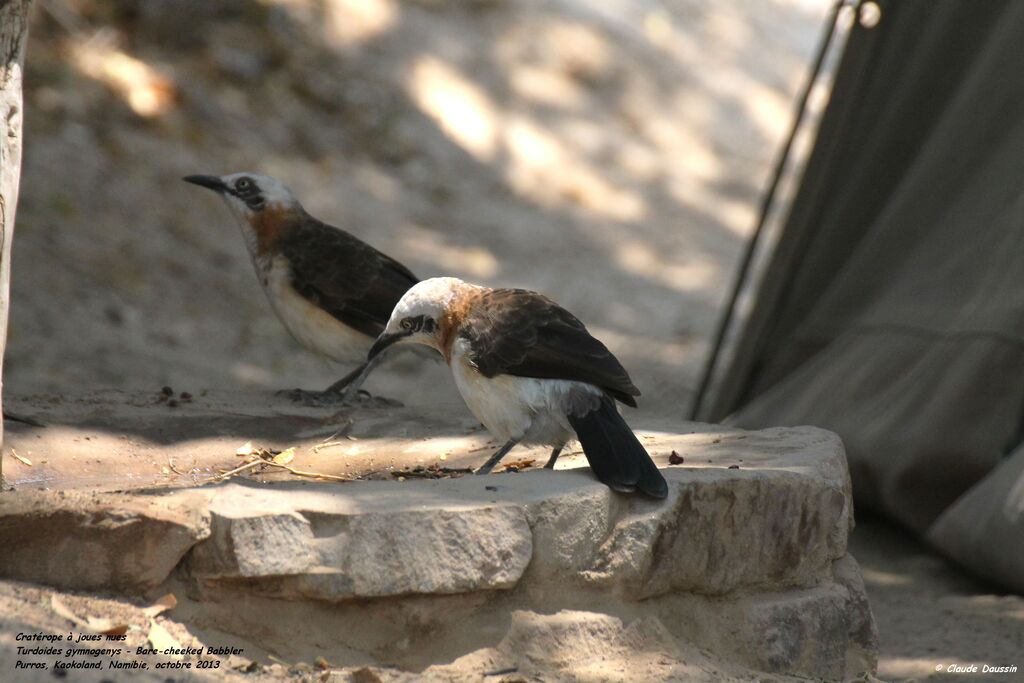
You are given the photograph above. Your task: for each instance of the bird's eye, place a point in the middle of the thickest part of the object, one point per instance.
(407, 324)
(243, 185)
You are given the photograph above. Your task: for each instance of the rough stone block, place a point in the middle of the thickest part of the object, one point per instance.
(107, 542)
(803, 631)
(862, 653)
(717, 534)
(255, 545)
(569, 636)
(436, 552)
(774, 524)
(318, 546)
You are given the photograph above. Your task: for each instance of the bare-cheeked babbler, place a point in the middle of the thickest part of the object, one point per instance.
(333, 292)
(530, 372)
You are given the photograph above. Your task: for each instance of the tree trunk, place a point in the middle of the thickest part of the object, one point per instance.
(13, 33)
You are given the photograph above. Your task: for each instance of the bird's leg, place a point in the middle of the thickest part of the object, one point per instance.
(498, 455)
(353, 384)
(338, 386)
(555, 452)
(342, 391)
(332, 395)
(345, 390)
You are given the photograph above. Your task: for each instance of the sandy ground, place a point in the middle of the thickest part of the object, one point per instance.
(931, 614)
(608, 154)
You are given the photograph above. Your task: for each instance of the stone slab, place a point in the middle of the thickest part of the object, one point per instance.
(115, 440)
(310, 542)
(719, 530)
(745, 510)
(106, 542)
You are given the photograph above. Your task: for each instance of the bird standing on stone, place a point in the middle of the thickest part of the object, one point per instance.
(530, 372)
(333, 292)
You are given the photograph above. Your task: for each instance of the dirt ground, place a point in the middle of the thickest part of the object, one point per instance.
(931, 613)
(610, 155)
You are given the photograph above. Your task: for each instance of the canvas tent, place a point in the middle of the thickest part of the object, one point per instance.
(892, 307)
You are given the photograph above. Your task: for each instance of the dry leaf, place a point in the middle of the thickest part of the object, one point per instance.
(106, 627)
(22, 460)
(161, 640)
(285, 456)
(520, 464)
(245, 449)
(162, 604)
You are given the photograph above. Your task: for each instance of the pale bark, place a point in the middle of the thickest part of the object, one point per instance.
(13, 33)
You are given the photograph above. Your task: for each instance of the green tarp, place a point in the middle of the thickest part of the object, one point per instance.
(892, 310)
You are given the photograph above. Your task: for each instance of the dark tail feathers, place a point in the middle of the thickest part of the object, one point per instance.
(615, 455)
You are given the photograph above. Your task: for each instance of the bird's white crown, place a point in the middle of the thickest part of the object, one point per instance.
(429, 298)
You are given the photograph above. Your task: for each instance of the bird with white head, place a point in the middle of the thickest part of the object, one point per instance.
(333, 292)
(530, 372)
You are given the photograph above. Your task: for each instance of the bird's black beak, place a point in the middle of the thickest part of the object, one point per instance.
(209, 181)
(384, 341)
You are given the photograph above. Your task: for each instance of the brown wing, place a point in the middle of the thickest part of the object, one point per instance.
(522, 333)
(346, 277)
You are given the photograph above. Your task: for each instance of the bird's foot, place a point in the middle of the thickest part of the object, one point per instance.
(321, 399)
(311, 399)
(364, 399)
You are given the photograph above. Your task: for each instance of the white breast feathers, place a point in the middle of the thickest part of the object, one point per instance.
(525, 408)
(312, 327)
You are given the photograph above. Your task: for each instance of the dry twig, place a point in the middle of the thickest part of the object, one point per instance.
(241, 468)
(306, 473)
